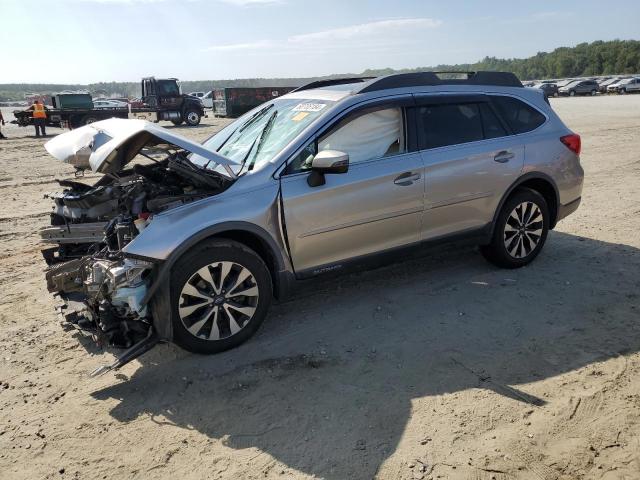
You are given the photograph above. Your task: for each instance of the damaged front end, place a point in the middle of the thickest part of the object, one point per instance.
(101, 291)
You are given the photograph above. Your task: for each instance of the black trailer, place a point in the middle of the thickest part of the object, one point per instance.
(161, 100)
(233, 102)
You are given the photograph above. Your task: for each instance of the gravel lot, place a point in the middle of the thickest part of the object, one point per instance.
(438, 367)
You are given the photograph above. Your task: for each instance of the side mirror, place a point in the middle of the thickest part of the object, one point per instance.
(327, 161)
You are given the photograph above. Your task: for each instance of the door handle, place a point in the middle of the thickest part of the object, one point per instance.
(407, 178)
(503, 156)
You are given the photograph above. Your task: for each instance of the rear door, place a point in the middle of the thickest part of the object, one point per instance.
(470, 160)
(377, 205)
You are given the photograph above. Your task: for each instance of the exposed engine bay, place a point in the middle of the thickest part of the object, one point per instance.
(100, 290)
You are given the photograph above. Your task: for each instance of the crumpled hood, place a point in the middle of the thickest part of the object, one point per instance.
(107, 146)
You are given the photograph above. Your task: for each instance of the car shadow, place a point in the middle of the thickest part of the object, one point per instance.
(327, 384)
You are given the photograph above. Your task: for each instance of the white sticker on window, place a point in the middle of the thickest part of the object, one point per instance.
(309, 107)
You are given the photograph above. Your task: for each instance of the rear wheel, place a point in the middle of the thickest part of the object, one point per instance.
(89, 119)
(220, 294)
(520, 230)
(593, 92)
(622, 91)
(572, 93)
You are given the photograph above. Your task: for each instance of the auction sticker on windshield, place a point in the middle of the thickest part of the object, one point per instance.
(309, 107)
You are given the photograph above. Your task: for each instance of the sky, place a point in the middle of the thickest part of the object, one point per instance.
(85, 41)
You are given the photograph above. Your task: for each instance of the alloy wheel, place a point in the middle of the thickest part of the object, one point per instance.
(523, 230)
(218, 300)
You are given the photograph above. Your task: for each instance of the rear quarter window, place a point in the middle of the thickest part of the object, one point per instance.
(520, 117)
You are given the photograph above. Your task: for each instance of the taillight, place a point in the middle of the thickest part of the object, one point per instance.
(572, 142)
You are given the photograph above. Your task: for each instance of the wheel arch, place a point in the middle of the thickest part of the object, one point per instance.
(541, 183)
(250, 235)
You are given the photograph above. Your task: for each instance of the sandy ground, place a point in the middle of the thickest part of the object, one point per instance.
(439, 367)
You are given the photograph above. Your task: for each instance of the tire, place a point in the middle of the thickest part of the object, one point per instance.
(192, 117)
(202, 307)
(177, 122)
(509, 236)
(572, 93)
(89, 119)
(622, 91)
(593, 93)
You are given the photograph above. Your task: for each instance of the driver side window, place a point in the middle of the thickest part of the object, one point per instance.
(365, 135)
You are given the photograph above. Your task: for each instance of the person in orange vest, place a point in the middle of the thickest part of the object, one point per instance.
(39, 117)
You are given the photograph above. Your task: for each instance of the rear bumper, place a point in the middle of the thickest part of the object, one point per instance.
(566, 210)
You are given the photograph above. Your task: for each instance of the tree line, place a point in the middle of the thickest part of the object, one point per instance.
(585, 59)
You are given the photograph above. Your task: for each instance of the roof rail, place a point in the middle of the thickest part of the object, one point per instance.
(420, 79)
(332, 81)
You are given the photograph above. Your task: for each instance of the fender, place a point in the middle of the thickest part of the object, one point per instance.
(159, 292)
(524, 178)
(189, 103)
(165, 267)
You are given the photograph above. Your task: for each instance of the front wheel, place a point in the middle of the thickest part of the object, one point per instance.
(622, 91)
(572, 93)
(593, 93)
(520, 230)
(192, 117)
(220, 294)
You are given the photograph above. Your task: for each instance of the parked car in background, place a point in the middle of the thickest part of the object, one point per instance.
(604, 84)
(207, 100)
(197, 94)
(626, 85)
(579, 87)
(109, 104)
(341, 172)
(565, 82)
(549, 89)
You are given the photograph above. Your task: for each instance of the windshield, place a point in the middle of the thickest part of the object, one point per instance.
(168, 87)
(258, 136)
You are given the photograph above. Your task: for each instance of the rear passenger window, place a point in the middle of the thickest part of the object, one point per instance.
(492, 126)
(518, 115)
(453, 124)
(449, 124)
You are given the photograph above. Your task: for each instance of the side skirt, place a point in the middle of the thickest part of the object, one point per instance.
(476, 236)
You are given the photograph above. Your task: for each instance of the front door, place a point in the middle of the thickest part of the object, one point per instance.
(377, 205)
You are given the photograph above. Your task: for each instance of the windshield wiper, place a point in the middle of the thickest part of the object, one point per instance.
(242, 128)
(254, 117)
(246, 124)
(263, 135)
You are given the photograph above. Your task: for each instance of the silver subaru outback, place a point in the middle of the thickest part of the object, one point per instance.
(190, 242)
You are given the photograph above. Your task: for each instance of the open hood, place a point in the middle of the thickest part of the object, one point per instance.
(107, 146)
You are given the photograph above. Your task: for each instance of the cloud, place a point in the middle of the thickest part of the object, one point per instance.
(238, 3)
(372, 36)
(248, 3)
(366, 29)
(238, 46)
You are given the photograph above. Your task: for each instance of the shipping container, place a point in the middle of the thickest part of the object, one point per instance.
(233, 102)
(72, 100)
